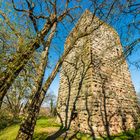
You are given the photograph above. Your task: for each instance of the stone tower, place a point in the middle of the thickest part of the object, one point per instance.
(96, 94)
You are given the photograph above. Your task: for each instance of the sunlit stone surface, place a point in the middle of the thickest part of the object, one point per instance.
(96, 94)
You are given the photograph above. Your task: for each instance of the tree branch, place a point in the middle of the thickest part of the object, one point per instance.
(10, 24)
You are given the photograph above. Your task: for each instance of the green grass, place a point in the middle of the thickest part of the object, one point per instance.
(129, 135)
(9, 133)
(43, 127)
(47, 126)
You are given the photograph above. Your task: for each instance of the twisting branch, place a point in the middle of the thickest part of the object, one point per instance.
(10, 24)
(130, 47)
(30, 13)
(54, 6)
(19, 10)
(66, 13)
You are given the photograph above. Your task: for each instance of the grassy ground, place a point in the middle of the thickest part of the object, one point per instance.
(44, 127)
(47, 126)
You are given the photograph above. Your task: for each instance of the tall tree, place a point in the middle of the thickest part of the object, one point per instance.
(19, 60)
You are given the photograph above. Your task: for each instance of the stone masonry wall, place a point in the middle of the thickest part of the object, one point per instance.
(96, 94)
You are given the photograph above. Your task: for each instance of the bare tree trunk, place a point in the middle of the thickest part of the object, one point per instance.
(19, 61)
(27, 127)
(34, 106)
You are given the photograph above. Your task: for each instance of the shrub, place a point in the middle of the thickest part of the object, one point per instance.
(5, 119)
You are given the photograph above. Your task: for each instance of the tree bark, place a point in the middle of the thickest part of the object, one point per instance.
(34, 106)
(27, 127)
(20, 60)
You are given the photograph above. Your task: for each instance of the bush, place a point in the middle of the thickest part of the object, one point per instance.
(6, 119)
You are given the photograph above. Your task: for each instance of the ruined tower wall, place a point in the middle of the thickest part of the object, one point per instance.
(96, 94)
(112, 87)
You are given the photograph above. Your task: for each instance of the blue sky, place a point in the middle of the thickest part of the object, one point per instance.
(135, 74)
(134, 69)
